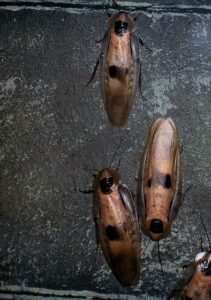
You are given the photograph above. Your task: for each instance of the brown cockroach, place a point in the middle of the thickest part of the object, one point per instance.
(198, 286)
(120, 67)
(117, 227)
(159, 180)
(195, 283)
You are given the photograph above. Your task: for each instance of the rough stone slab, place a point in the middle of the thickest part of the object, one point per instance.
(52, 127)
(91, 2)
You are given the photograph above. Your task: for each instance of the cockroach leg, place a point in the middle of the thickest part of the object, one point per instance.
(99, 41)
(116, 4)
(205, 230)
(184, 194)
(136, 18)
(202, 249)
(160, 261)
(145, 248)
(118, 166)
(108, 13)
(139, 80)
(142, 43)
(86, 191)
(93, 73)
(112, 159)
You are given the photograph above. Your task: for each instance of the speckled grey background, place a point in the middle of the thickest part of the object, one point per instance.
(53, 128)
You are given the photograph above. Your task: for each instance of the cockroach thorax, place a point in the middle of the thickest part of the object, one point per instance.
(105, 180)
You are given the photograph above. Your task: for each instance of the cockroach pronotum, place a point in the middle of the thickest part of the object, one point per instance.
(117, 227)
(159, 181)
(119, 67)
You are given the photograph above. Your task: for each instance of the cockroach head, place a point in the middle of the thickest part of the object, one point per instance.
(106, 184)
(120, 27)
(105, 179)
(203, 260)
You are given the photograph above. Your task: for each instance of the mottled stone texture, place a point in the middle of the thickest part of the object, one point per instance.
(123, 2)
(53, 128)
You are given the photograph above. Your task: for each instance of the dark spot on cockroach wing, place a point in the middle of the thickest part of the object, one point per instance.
(106, 184)
(163, 179)
(113, 71)
(149, 183)
(117, 72)
(112, 233)
(188, 298)
(156, 226)
(120, 27)
(167, 182)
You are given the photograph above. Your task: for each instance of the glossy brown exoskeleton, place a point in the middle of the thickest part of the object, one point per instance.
(117, 226)
(159, 182)
(119, 67)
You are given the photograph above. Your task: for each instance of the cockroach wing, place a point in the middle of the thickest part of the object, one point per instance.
(186, 277)
(103, 62)
(141, 207)
(175, 205)
(135, 48)
(127, 199)
(96, 217)
(100, 235)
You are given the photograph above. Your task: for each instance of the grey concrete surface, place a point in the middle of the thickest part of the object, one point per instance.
(53, 128)
(109, 2)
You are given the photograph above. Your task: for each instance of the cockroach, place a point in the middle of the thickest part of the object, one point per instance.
(198, 286)
(195, 283)
(119, 67)
(117, 227)
(159, 180)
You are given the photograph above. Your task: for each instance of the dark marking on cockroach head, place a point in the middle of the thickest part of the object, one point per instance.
(156, 226)
(105, 179)
(120, 27)
(106, 184)
(113, 233)
(117, 72)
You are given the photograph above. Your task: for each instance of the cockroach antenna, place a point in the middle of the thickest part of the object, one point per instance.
(93, 73)
(161, 266)
(89, 191)
(145, 248)
(112, 159)
(205, 230)
(184, 194)
(116, 5)
(160, 261)
(90, 169)
(202, 249)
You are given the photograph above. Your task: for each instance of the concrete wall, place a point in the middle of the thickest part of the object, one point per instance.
(53, 127)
